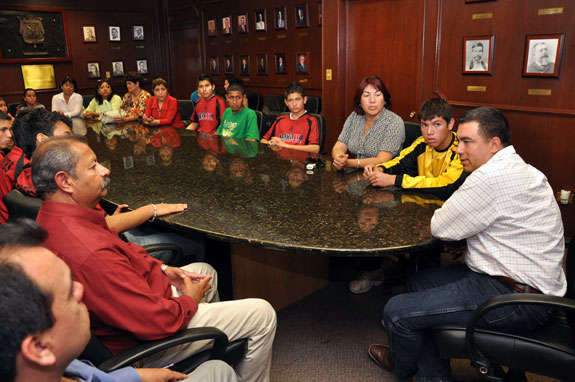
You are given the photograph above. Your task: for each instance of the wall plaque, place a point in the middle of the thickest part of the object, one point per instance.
(481, 16)
(539, 92)
(550, 11)
(476, 88)
(39, 76)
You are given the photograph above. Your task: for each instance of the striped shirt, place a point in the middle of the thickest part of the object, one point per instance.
(387, 134)
(507, 212)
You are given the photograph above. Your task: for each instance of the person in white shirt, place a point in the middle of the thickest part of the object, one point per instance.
(68, 102)
(507, 212)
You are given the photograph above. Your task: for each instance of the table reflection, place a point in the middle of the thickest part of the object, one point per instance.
(245, 192)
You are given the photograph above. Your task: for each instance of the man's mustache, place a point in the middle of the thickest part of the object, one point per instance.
(105, 182)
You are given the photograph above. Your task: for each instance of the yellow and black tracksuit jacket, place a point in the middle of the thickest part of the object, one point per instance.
(423, 168)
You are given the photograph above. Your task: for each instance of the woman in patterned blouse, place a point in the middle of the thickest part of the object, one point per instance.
(135, 100)
(371, 132)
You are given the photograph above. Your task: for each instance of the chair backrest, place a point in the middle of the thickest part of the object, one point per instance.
(313, 105)
(255, 101)
(21, 206)
(96, 352)
(261, 124)
(570, 269)
(186, 107)
(274, 103)
(412, 132)
(321, 127)
(12, 107)
(87, 99)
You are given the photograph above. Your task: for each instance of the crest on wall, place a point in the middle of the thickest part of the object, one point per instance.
(32, 30)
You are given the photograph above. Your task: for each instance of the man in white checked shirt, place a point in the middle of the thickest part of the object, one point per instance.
(508, 214)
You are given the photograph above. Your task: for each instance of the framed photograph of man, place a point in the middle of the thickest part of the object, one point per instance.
(228, 64)
(89, 32)
(302, 63)
(118, 68)
(478, 54)
(214, 64)
(244, 65)
(142, 66)
(138, 32)
(280, 21)
(93, 70)
(280, 59)
(261, 21)
(114, 33)
(212, 30)
(262, 60)
(543, 55)
(301, 16)
(227, 25)
(243, 27)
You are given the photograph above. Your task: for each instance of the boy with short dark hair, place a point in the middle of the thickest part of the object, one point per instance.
(209, 109)
(298, 130)
(238, 121)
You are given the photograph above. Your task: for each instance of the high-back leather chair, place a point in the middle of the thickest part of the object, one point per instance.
(261, 125)
(274, 105)
(321, 127)
(21, 206)
(12, 107)
(548, 350)
(86, 99)
(313, 104)
(412, 132)
(186, 107)
(255, 101)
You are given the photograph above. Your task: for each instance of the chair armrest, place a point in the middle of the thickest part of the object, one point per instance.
(132, 355)
(178, 252)
(477, 358)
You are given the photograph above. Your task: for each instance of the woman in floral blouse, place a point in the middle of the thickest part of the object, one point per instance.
(135, 100)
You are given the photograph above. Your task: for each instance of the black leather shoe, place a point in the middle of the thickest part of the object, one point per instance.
(381, 355)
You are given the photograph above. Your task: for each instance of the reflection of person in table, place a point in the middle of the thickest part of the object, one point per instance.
(118, 69)
(260, 24)
(476, 62)
(296, 175)
(490, 211)
(372, 132)
(539, 61)
(142, 67)
(302, 64)
(280, 22)
(93, 71)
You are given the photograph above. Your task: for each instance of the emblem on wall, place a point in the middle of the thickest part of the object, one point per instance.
(32, 30)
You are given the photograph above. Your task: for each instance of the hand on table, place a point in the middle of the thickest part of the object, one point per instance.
(170, 208)
(377, 177)
(340, 161)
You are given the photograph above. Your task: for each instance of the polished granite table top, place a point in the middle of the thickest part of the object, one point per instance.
(246, 193)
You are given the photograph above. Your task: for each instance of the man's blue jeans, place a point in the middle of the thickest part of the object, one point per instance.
(439, 296)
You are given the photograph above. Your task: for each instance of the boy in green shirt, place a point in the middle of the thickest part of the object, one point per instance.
(238, 121)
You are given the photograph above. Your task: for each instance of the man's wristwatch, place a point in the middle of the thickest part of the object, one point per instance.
(164, 267)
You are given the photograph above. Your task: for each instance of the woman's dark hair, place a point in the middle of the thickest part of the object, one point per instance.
(159, 81)
(133, 77)
(70, 80)
(98, 96)
(23, 101)
(377, 83)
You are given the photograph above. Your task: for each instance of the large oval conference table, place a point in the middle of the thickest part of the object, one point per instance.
(279, 217)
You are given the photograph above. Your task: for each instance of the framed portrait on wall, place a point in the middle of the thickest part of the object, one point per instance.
(89, 33)
(262, 60)
(227, 25)
(280, 21)
(93, 70)
(261, 21)
(280, 60)
(114, 33)
(118, 68)
(301, 16)
(302, 63)
(214, 64)
(244, 65)
(228, 64)
(142, 66)
(478, 54)
(543, 55)
(319, 12)
(243, 27)
(138, 32)
(212, 30)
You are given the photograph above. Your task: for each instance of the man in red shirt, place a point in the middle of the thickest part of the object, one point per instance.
(209, 109)
(131, 296)
(298, 130)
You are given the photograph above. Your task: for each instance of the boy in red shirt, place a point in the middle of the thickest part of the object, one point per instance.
(298, 130)
(209, 109)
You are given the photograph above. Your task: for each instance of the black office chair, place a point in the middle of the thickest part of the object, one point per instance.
(549, 350)
(260, 123)
(321, 127)
(313, 104)
(12, 107)
(412, 132)
(274, 105)
(186, 107)
(231, 352)
(21, 206)
(86, 99)
(255, 101)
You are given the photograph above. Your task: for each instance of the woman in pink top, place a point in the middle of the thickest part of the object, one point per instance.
(162, 109)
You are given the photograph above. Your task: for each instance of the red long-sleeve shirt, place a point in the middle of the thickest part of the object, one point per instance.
(127, 294)
(168, 114)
